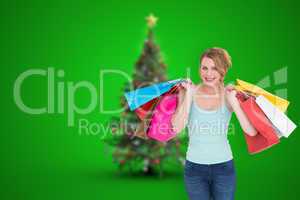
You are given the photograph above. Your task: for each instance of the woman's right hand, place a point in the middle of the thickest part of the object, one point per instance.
(188, 86)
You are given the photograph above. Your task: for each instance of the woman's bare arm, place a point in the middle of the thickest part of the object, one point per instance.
(241, 116)
(180, 117)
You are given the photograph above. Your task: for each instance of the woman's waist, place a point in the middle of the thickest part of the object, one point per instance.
(209, 150)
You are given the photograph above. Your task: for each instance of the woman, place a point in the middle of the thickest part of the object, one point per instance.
(206, 110)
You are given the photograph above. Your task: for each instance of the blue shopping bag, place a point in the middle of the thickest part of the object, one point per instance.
(140, 96)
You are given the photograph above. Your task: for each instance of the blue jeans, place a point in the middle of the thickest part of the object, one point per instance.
(210, 181)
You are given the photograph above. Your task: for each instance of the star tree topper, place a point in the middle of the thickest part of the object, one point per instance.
(151, 20)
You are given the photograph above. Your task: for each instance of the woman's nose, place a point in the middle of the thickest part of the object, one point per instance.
(209, 72)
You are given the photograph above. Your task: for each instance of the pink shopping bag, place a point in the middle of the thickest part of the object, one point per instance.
(160, 127)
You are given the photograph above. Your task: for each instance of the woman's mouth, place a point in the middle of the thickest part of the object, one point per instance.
(209, 79)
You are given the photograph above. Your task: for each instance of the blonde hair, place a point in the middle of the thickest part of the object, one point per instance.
(221, 59)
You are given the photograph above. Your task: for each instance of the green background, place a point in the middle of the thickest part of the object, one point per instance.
(43, 158)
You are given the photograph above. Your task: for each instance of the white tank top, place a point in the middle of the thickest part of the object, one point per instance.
(207, 129)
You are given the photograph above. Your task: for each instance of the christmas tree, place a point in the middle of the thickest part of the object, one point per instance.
(136, 153)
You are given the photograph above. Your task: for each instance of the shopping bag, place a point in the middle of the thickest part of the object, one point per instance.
(266, 133)
(254, 90)
(145, 113)
(140, 96)
(282, 123)
(160, 127)
(143, 110)
(143, 126)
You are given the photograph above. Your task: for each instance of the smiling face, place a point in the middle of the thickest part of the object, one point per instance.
(209, 73)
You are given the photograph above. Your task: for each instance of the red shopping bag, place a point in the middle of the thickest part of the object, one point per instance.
(143, 111)
(143, 126)
(266, 136)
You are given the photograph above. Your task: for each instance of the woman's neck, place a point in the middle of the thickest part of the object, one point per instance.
(210, 89)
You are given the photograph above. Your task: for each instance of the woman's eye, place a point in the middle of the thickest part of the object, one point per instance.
(214, 68)
(204, 68)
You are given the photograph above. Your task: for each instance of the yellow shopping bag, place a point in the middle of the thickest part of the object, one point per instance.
(254, 90)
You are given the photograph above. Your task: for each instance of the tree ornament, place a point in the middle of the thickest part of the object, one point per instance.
(151, 20)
